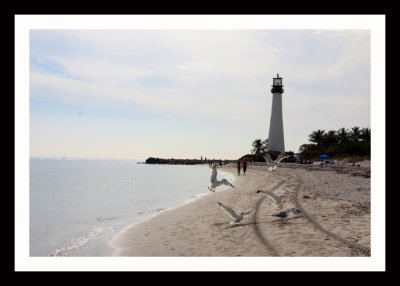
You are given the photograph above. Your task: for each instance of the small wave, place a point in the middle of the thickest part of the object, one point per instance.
(105, 219)
(194, 198)
(141, 212)
(75, 243)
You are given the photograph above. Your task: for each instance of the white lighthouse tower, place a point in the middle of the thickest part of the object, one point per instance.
(276, 143)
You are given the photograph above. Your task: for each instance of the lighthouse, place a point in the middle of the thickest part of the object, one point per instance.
(276, 143)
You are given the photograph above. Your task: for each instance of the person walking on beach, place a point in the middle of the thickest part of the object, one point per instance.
(244, 164)
(238, 166)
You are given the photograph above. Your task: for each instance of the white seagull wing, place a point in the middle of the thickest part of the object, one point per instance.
(214, 175)
(267, 158)
(226, 182)
(274, 197)
(282, 156)
(228, 210)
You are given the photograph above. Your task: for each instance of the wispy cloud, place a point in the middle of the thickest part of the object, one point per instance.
(214, 78)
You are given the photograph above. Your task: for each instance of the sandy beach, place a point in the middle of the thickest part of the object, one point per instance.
(336, 217)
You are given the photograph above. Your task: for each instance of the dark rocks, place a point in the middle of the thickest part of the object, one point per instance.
(173, 161)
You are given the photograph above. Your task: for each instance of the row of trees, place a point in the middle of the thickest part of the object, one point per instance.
(332, 137)
(353, 141)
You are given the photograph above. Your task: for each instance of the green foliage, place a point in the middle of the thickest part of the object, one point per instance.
(252, 158)
(366, 135)
(342, 135)
(331, 138)
(355, 134)
(317, 137)
(356, 142)
(259, 147)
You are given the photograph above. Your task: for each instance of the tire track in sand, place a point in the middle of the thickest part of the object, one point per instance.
(349, 243)
(256, 226)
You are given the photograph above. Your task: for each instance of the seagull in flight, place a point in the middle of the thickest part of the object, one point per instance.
(215, 183)
(276, 199)
(274, 164)
(236, 218)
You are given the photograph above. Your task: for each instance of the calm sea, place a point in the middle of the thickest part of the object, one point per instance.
(77, 205)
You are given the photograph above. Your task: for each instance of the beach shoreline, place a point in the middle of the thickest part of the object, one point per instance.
(336, 198)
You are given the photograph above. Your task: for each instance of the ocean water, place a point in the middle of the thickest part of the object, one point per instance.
(76, 206)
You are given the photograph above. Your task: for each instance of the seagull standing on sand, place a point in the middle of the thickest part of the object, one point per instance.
(281, 214)
(285, 214)
(276, 199)
(274, 164)
(215, 183)
(236, 218)
(295, 211)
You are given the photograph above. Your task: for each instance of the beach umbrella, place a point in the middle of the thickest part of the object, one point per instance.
(324, 156)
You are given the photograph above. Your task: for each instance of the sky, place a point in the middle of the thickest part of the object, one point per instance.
(134, 94)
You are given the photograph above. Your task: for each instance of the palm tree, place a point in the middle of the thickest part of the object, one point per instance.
(343, 135)
(355, 134)
(259, 147)
(317, 137)
(366, 135)
(331, 138)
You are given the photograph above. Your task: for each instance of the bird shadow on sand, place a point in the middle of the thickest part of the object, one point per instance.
(287, 222)
(229, 225)
(220, 223)
(237, 225)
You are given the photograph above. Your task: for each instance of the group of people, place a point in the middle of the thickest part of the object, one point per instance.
(242, 163)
